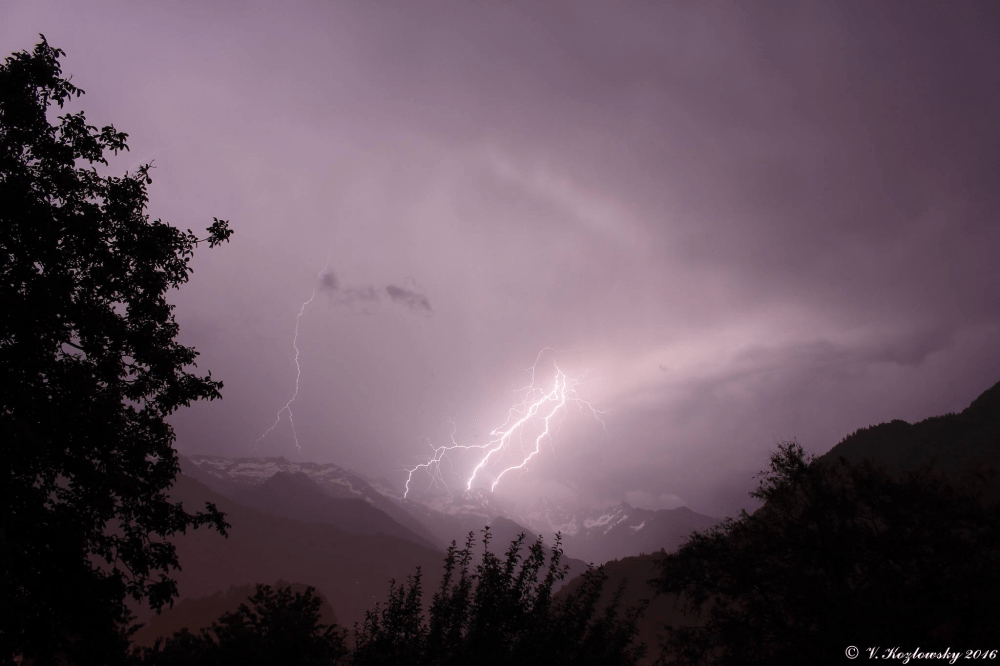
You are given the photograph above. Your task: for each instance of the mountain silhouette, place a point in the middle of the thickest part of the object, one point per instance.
(294, 495)
(601, 535)
(955, 446)
(632, 574)
(351, 571)
(233, 477)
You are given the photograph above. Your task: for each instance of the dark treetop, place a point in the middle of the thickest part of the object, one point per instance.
(90, 369)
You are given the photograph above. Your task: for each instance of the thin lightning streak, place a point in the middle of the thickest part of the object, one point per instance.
(533, 406)
(433, 466)
(298, 368)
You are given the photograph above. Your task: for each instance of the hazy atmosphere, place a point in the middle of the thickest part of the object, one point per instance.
(731, 223)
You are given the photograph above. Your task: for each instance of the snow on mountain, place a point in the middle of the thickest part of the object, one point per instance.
(548, 518)
(386, 487)
(232, 476)
(334, 479)
(594, 535)
(472, 502)
(600, 535)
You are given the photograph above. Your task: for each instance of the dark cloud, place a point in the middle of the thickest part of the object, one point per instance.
(346, 295)
(328, 281)
(410, 299)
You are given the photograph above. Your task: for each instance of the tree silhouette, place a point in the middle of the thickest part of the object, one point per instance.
(91, 369)
(839, 554)
(499, 613)
(278, 627)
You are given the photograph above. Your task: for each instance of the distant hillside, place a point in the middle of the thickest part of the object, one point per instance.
(327, 493)
(352, 571)
(598, 536)
(469, 511)
(197, 614)
(635, 572)
(232, 477)
(294, 495)
(455, 527)
(955, 445)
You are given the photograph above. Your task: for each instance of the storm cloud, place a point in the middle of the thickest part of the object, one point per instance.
(737, 222)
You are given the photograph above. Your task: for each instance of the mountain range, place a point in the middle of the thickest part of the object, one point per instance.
(351, 571)
(330, 494)
(601, 535)
(958, 447)
(955, 446)
(325, 526)
(245, 479)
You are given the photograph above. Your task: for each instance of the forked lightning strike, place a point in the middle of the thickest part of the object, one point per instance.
(298, 369)
(537, 405)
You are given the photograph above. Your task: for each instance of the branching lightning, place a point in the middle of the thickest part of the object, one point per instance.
(537, 408)
(298, 369)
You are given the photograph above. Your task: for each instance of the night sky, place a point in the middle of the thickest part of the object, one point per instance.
(736, 223)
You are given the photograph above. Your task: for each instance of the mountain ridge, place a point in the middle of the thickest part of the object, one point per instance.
(951, 444)
(295, 495)
(602, 535)
(234, 477)
(955, 446)
(351, 571)
(591, 535)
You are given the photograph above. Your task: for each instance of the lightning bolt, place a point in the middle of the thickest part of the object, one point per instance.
(537, 405)
(298, 369)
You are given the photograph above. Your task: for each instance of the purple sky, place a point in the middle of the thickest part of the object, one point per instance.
(745, 222)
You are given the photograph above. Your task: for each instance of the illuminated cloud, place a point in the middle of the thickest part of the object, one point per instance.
(742, 229)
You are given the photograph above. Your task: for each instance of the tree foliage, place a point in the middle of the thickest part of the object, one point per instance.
(839, 554)
(91, 368)
(277, 627)
(499, 612)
